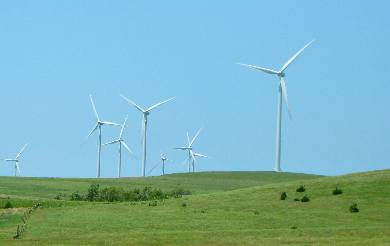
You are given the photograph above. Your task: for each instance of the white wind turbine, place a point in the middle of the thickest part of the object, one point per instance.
(16, 160)
(191, 153)
(145, 113)
(163, 158)
(282, 90)
(121, 142)
(99, 125)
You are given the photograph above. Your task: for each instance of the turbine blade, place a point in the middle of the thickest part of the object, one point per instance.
(21, 151)
(188, 140)
(266, 70)
(93, 129)
(151, 170)
(112, 142)
(295, 56)
(185, 162)
(182, 148)
(127, 147)
(133, 103)
(94, 108)
(197, 134)
(193, 156)
(123, 127)
(160, 103)
(200, 155)
(109, 123)
(284, 92)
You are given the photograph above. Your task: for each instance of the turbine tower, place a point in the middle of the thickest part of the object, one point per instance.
(163, 160)
(282, 92)
(191, 154)
(121, 142)
(99, 125)
(16, 160)
(145, 113)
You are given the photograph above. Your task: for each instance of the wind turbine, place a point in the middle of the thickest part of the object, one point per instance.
(121, 142)
(191, 153)
(163, 158)
(282, 91)
(16, 159)
(99, 125)
(145, 113)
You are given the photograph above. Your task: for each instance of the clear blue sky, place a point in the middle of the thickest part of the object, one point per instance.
(53, 54)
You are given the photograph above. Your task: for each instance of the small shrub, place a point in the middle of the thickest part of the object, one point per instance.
(130, 196)
(179, 192)
(203, 211)
(8, 204)
(157, 194)
(297, 199)
(93, 192)
(353, 208)
(184, 205)
(111, 194)
(58, 197)
(256, 212)
(337, 191)
(75, 196)
(283, 195)
(153, 203)
(305, 199)
(294, 227)
(301, 188)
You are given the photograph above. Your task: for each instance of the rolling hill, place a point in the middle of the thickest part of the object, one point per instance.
(228, 208)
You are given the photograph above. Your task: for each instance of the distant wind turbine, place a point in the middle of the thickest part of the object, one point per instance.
(282, 90)
(16, 160)
(145, 113)
(121, 142)
(191, 153)
(99, 125)
(163, 158)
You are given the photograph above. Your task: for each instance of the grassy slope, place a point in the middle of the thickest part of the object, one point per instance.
(195, 182)
(248, 216)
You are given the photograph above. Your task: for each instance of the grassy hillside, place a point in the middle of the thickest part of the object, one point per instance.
(197, 183)
(245, 216)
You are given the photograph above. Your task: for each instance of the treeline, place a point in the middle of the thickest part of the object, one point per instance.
(118, 194)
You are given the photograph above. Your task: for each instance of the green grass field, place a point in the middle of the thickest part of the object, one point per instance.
(226, 208)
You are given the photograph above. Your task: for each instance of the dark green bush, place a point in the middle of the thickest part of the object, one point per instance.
(153, 203)
(179, 192)
(301, 188)
(184, 205)
(93, 192)
(297, 199)
(305, 199)
(114, 194)
(337, 191)
(58, 197)
(353, 208)
(111, 194)
(283, 195)
(75, 196)
(8, 204)
(130, 196)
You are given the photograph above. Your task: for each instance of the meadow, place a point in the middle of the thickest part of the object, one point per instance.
(225, 208)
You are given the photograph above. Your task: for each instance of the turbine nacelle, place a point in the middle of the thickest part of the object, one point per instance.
(281, 75)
